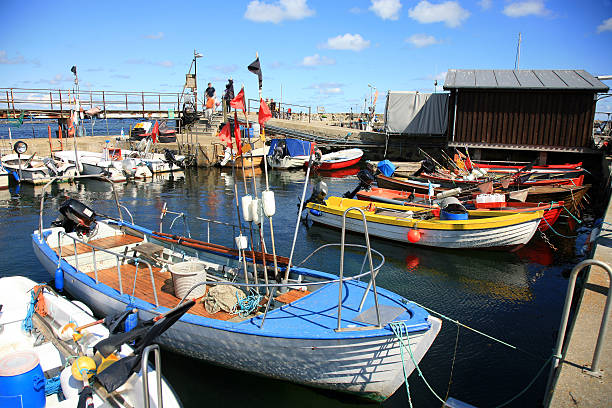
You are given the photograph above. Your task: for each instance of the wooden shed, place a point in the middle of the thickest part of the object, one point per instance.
(543, 110)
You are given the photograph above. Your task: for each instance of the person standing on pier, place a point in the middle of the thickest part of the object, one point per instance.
(229, 94)
(210, 101)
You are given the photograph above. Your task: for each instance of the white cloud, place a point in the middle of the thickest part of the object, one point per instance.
(422, 40)
(166, 64)
(526, 8)
(605, 26)
(449, 12)
(262, 12)
(327, 88)
(354, 42)
(317, 60)
(226, 69)
(157, 36)
(355, 10)
(5, 60)
(485, 4)
(386, 9)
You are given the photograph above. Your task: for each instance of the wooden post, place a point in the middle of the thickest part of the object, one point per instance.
(13, 102)
(50, 144)
(59, 134)
(104, 104)
(51, 99)
(61, 105)
(126, 105)
(90, 101)
(8, 105)
(159, 102)
(143, 109)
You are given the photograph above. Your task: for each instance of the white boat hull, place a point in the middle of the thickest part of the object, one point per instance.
(287, 162)
(506, 236)
(37, 172)
(4, 179)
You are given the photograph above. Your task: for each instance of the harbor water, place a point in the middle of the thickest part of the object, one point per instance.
(513, 296)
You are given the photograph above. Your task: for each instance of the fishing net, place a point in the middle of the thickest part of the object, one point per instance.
(222, 297)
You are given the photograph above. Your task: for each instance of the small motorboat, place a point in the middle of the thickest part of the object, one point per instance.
(159, 133)
(166, 134)
(49, 344)
(289, 153)
(433, 227)
(252, 158)
(38, 170)
(340, 159)
(313, 328)
(110, 164)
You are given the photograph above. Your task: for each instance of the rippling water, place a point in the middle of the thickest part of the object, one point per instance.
(516, 297)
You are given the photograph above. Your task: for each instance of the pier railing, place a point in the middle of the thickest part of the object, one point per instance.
(57, 103)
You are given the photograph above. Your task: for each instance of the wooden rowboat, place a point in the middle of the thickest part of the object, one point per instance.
(482, 229)
(340, 159)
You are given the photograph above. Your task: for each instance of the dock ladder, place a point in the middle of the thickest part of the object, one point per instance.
(145, 375)
(557, 357)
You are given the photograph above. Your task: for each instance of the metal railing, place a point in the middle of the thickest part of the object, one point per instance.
(54, 100)
(137, 261)
(144, 371)
(280, 111)
(558, 356)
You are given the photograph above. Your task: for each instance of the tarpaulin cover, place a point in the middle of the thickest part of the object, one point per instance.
(386, 167)
(416, 113)
(294, 147)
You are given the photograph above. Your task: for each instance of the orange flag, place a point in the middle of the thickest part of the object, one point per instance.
(225, 136)
(237, 134)
(238, 101)
(264, 112)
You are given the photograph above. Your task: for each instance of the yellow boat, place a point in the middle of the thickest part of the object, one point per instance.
(414, 225)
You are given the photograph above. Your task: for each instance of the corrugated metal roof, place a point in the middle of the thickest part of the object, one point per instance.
(541, 79)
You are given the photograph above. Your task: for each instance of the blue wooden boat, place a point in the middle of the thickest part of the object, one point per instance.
(313, 328)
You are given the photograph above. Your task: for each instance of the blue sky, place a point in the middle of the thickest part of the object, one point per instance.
(322, 53)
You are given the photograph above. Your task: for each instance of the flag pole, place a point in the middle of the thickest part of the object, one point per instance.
(246, 192)
(239, 244)
(263, 133)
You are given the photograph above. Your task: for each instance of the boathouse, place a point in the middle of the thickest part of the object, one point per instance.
(537, 110)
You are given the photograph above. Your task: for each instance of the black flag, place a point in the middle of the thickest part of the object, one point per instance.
(73, 69)
(256, 69)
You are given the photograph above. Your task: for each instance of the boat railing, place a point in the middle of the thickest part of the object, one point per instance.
(183, 216)
(118, 256)
(593, 370)
(144, 371)
(372, 273)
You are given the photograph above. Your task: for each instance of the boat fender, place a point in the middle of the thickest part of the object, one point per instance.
(241, 242)
(414, 235)
(316, 213)
(256, 211)
(246, 208)
(269, 205)
(59, 279)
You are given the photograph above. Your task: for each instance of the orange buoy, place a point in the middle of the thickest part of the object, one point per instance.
(414, 235)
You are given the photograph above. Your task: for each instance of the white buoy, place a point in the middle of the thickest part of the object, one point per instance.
(256, 211)
(241, 242)
(246, 208)
(269, 205)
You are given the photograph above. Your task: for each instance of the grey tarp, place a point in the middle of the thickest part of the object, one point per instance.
(416, 113)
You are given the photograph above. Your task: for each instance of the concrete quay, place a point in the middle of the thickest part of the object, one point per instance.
(572, 386)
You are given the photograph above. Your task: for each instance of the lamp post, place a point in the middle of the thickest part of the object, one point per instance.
(196, 55)
(372, 88)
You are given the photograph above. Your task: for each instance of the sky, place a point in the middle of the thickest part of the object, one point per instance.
(333, 54)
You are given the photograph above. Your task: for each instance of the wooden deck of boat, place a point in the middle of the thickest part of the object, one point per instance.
(165, 289)
(105, 243)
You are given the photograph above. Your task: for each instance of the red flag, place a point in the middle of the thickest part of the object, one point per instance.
(225, 136)
(237, 133)
(155, 132)
(264, 112)
(238, 101)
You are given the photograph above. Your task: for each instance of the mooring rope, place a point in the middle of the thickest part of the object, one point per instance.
(400, 327)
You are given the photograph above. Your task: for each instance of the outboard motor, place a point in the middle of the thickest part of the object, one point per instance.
(51, 166)
(319, 192)
(169, 156)
(76, 217)
(366, 178)
(427, 166)
(452, 209)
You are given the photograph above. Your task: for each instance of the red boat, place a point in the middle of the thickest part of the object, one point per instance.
(507, 167)
(340, 159)
(551, 213)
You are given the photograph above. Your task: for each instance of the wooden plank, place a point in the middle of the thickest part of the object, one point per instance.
(105, 243)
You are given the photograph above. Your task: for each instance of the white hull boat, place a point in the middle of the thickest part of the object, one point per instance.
(301, 333)
(43, 340)
(289, 153)
(157, 162)
(4, 179)
(113, 167)
(38, 170)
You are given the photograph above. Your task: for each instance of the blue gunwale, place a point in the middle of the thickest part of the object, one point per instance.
(313, 317)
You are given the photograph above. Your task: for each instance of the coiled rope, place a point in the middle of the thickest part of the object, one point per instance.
(246, 305)
(52, 385)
